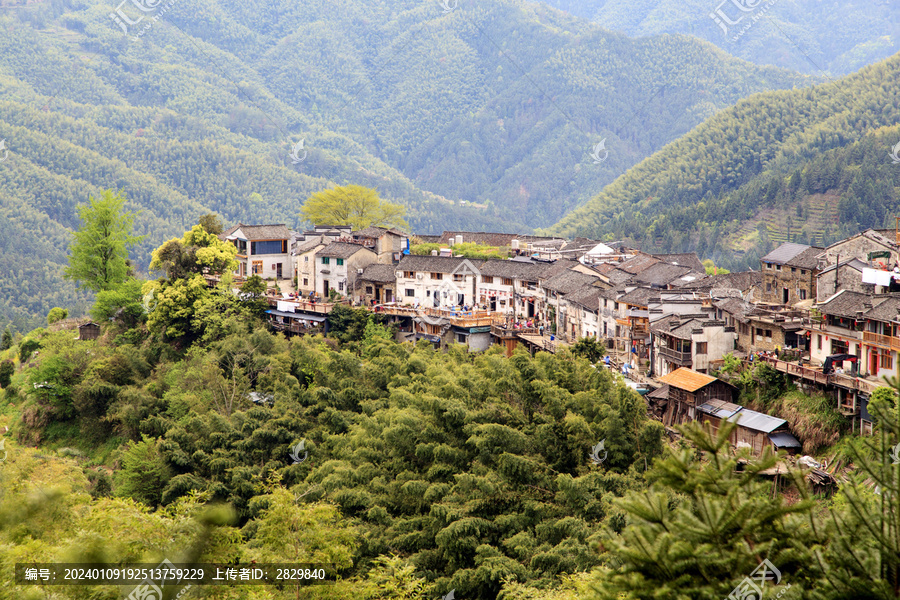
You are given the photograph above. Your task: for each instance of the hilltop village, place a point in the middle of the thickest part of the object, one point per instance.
(826, 317)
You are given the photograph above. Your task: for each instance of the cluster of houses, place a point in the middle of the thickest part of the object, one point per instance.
(827, 317)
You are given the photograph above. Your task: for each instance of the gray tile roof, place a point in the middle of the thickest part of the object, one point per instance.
(662, 274)
(435, 264)
(794, 255)
(688, 259)
(259, 232)
(341, 250)
(618, 276)
(886, 310)
(640, 296)
(587, 296)
(378, 273)
(310, 244)
(808, 259)
(743, 281)
(376, 232)
(568, 281)
(737, 308)
(513, 269)
(853, 264)
(845, 304)
(638, 263)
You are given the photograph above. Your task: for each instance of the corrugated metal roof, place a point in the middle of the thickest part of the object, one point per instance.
(784, 440)
(686, 379)
(720, 408)
(750, 419)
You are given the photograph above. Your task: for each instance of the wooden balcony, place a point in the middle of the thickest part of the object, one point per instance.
(884, 341)
(816, 375)
(682, 359)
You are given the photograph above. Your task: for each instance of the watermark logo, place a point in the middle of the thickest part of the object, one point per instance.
(449, 297)
(895, 454)
(3, 450)
(449, 8)
(295, 153)
(895, 155)
(121, 18)
(596, 450)
(296, 449)
(137, 11)
(147, 302)
(751, 588)
(451, 595)
(152, 589)
(599, 148)
(741, 9)
(4, 150)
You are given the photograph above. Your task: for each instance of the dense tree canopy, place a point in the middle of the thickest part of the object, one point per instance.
(98, 257)
(352, 205)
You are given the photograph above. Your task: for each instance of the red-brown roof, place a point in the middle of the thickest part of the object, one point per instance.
(688, 380)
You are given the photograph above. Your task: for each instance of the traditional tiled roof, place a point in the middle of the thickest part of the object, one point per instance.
(378, 273)
(688, 259)
(513, 269)
(662, 274)
(808, 259)
(618, 276)
(437, 264)
(742, 281)
(310, 244)
(557, 267)
(259, 232)
(794, 255)
(640, 296)
(854, 263)
(568, 281)
(341, 250)
(376, 232)
(735, 307)
(845, 304)
(587, 296)
(638, 263)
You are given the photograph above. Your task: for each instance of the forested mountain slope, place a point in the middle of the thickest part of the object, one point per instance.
(810, 165)
(197, 106)
(810, 36)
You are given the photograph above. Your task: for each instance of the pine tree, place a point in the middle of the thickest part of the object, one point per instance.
(703, 525)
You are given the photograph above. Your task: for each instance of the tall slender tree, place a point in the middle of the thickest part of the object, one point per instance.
(99, 251)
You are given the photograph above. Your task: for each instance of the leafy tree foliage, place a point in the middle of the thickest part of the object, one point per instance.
(99, 250)
(352, 205)
(7, 369)
(56, 314)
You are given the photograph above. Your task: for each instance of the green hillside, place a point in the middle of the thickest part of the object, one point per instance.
(499, 105)
(809, 166)
(810, 36)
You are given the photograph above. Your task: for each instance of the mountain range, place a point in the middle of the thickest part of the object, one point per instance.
(192, 106)
(810, 166)
(821, 37)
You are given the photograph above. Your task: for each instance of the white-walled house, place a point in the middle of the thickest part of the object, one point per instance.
(511, 286)
(437, 281)
(262, 250)
(304, 255)
(338, 265)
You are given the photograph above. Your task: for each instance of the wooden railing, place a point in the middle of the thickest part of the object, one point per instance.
(815, 374)
(877, 338)
(676, 356)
